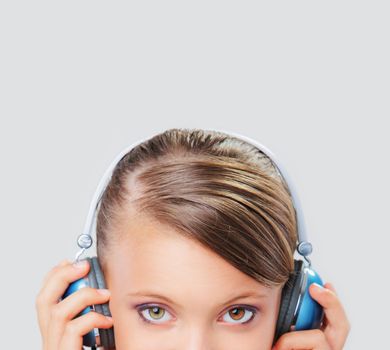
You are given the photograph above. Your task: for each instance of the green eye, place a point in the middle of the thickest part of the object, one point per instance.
(158, 311)
(154, 313)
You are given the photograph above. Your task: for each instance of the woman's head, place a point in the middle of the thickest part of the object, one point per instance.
(198, 217)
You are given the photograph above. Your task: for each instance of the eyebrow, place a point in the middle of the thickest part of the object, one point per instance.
(154, 295)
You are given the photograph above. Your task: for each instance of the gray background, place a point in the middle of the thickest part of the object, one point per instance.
(79, 81)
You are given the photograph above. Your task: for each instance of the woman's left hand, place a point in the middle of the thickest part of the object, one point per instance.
(334, 330)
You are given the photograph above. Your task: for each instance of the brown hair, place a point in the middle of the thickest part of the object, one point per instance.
(211, 187)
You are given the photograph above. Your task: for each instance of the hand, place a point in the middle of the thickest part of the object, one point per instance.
(58, 330)
(333, 332)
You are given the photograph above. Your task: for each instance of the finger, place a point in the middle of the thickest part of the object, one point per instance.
(337, 324)
(333, 308)
(327, 285)
(74, 331)
(54, 269)
(62, 313)
(60, 279)
(330, 286)
(76, 302)
(54, 288)
(39, 298)
(65, 262)
(300, 340)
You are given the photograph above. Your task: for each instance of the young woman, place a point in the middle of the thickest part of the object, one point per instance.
(196, 233)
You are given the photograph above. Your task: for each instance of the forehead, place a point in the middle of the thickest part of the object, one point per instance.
(155, 257)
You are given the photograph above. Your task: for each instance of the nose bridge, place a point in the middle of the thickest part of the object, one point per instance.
(197, 337)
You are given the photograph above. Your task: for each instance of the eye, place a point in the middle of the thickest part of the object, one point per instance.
(240, 315)
(153, 313)
(157, 314)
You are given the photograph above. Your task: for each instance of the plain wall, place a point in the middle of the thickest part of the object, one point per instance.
(79, 81)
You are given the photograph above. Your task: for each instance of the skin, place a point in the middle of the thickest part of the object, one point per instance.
(155, 259)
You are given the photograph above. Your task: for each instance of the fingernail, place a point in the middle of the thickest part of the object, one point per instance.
(80, 264)
(109, 318)
(318, 287)
(104, 292)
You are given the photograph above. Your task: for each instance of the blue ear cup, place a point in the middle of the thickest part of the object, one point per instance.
(298, 310)
(94, 279)
(309, 314)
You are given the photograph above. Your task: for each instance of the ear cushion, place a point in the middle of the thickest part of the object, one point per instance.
(96, 280)
(289, 300)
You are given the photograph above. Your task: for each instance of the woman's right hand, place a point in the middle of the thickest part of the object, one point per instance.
(58, 329)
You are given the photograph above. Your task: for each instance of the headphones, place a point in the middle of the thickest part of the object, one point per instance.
(298, 311)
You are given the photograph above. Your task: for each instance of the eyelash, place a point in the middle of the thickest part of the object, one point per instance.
(144, 307)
